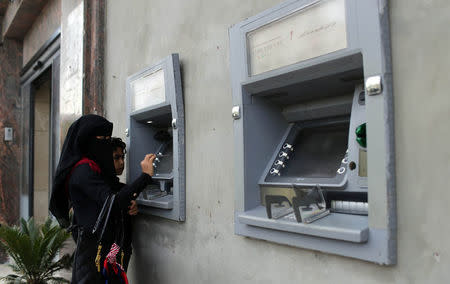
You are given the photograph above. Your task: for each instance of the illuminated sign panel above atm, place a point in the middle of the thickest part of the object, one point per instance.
(315, 30)
(148, 91)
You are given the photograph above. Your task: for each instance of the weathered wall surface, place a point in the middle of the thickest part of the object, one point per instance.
(10, 116)
(43, 28)
(422, 110)
(93, 56)
(204, 249)
(71, 76)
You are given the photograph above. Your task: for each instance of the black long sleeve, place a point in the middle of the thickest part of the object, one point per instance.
(126, 194)
(88, 192)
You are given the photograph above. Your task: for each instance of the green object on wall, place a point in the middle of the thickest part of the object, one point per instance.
(361, 137)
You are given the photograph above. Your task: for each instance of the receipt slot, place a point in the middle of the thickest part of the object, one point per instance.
(156, 125)
(313, 126)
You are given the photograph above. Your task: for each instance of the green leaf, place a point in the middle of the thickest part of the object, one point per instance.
(12, 278)
(33, 249)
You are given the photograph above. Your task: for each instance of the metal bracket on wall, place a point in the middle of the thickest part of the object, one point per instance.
(236, 112)
(373, 85)
(174, 123)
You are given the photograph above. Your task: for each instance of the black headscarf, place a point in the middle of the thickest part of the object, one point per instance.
(81, 142)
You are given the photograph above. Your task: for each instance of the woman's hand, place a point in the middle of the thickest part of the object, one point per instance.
(133, 208)
(147, 164)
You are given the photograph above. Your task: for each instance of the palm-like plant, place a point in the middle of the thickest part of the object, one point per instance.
(33, 248)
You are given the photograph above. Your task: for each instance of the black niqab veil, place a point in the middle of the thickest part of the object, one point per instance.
(81, 142)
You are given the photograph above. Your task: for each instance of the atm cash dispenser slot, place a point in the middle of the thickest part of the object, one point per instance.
(156, 125)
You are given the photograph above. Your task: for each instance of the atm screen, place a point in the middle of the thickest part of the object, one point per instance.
(317, 152)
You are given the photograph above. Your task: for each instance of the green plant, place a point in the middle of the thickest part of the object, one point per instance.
(34, 248)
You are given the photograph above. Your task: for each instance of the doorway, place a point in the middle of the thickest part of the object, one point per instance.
(40, 128)
(41, 107)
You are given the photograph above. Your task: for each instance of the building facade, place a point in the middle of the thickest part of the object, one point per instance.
(101, 44)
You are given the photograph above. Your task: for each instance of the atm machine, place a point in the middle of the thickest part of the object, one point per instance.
(313, 128)
(156, 125)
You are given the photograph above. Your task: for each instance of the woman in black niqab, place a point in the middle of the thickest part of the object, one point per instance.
(84, 179)
(81, 142)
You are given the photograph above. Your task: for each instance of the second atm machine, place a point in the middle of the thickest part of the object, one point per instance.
(314, 150)
(156, 125)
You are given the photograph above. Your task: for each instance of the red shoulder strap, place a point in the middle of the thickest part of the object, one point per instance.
(84, 160)
(91, 163)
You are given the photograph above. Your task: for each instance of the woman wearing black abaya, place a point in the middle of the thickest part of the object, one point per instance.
(84, 179)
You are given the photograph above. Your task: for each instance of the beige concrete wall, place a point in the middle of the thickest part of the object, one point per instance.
(422, 111)
(41, 151)
(43, 28)
(71, 74)
(204, 249)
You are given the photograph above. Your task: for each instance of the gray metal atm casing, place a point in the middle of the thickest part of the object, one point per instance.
(140, 139)
(373, 237)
